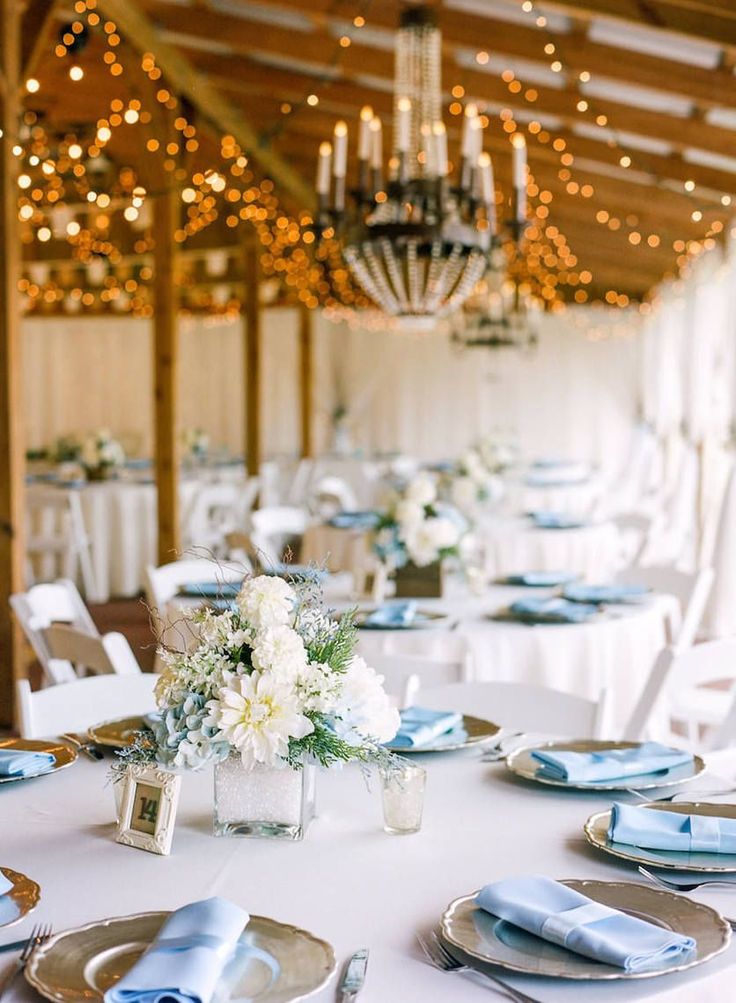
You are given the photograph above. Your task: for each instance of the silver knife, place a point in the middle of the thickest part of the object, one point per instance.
(354, 976)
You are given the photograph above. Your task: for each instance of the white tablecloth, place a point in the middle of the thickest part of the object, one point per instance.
(348, 882)
(573, 499)
(513, 545)
(615, 651)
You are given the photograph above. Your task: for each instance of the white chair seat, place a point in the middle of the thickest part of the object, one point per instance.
(707, 706)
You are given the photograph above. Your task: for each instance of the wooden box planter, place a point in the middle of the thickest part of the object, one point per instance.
(413, 582)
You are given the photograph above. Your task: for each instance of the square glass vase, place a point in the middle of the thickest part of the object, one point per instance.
(264, 802)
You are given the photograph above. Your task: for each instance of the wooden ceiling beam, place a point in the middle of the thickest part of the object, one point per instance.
(210, 104)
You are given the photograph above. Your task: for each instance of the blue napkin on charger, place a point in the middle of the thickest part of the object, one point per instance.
(394, 614)
(186, 960)
(420, 726)
(609, 764)
(540, 579)
(211, 590)
(669, 830)
(5, 884)
(551, 610)
(24, 763)
(580, 592)
(354, 520)
(563, 916)
(9, 909)
(556, 520)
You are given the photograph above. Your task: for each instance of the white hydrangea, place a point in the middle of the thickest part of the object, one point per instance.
(319, 688)
(279, 650)
(422, 490)
(266, 601)
(425, 541)
(364, 711)
(408, 513)
(464, 493)
(257, 715)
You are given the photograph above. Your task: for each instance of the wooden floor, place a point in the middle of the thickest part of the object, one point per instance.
(130, 617)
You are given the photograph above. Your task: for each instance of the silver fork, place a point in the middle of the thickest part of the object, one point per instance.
(439, 956)
(39, 935)
(683, 886)
(500, 751)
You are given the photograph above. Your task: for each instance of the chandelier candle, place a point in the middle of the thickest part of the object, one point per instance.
(519, 173)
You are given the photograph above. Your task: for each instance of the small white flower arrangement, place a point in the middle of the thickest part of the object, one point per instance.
(472, 483)
(275, 680)
(100, 453)
(195, 442)
(417, 527)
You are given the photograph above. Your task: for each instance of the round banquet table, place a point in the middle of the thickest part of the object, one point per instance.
(348, 882)
(575, 498)
(615, 650)
(514, 544)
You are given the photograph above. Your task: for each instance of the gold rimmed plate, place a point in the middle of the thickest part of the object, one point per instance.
(472, 731)
(597, 826)
(79, 966)
(521, 762)
(118, 733)
(479, 938)
(422, 620)
(19, 900)
(64, 755)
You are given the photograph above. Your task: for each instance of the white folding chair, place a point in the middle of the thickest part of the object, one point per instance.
(330, 495)
(107, 654)
(40, 607)
(522, 707)
(164, 582)
(692, 589)
(694, 688)
(77, 706)
(211, 515)
(274, 528)
(405, 675)
(57, 544)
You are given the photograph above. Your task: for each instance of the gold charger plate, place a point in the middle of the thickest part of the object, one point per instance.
(481, 938)
(118, 733)
(64, 755)
(521, 763)
(424, 619)
(596, 832)
(477, 731)
(79, 966)
(21, 899)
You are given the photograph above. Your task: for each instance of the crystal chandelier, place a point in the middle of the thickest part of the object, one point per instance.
(417, 242)
(501, 314)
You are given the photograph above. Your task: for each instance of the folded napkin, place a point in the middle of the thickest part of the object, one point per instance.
(609, 764)
(420, 726)
(22, 763)
(556, 520)
(580, 592)
(669, 830)
(211, 589)
(354, 520)
(188, 957)
(540, 579)
(563, 916)
(551, 610)
(395, 614)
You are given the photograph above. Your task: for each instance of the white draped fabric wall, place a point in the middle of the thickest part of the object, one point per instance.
(575, 395)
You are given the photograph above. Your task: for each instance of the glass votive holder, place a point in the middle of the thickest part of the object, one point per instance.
(402, 792)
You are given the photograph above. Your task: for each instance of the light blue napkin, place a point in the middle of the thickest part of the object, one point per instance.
(420, 726)
(211, 590)
(188, 957)
(609, 764)
(23, 763)
(556, 520)
(669, 830)
(580, 592)
(540, 579)
(563, 916)
(541, 479)
(551, 610)
(394, 614)
(5, 884)
(281, 569)
(354, 520)
(9, 908)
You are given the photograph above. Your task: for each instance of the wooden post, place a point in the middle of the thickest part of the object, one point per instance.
(166, 371)
(252, 359)
(12, 509)
(305, 380)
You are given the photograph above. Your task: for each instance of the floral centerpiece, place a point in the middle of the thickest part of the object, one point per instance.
(471, 483)
(272, 688)
(196, 443)
(101, 455)
(417, 528)
(66, 449)
(496, 453)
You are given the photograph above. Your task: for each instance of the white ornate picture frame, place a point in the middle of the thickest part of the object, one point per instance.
(148, 809)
